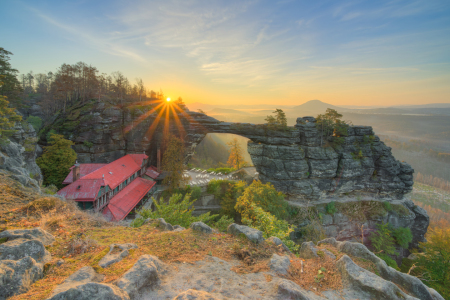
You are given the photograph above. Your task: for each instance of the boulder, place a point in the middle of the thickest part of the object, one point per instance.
(200, 226)
(85, 284)
(370, 285)
(34, 233)
(308, 250)
(252, 234)
(144, 273)
(19, 248)
(178, 228)
(195, 295)
(116, 253)
(289, 290)
(92, 291)
(17, 276)
(279, 264)
(278, 242)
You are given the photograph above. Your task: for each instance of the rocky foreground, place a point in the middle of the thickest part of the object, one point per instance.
(24, 257)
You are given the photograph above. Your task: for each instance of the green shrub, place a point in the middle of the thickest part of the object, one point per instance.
(177, 211)
(226, 192)
(403, 236)
(331, 208)
(382, 239)
(221, 170)
(223, 223)
(389, 261)
(387, 206)
(196, 192)
(36, 122)
(266, 197)
(51, 189)
(88, 144)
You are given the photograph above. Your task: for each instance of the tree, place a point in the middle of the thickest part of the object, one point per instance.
(236, 159)
(173, 163)
(57, 159)
(330, 123)
(11, 86)
(277, 122)
(433, 264)
(8, 117)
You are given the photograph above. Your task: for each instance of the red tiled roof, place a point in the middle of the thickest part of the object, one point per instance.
(82, 190)
(138, 158)
(151, 173)
(118, 171)
(84, 170)
(122, 203)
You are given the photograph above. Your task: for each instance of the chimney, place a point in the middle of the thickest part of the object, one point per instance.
(76, 171)
(158, 163)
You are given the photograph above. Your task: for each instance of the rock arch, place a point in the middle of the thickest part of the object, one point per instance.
(296, 163)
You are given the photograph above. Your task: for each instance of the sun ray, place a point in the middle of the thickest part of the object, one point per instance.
(142, 118)
(152, 128)
(178, 122)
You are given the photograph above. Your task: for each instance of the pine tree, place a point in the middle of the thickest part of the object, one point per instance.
(10, 86)
(57, 159)
(236, 159)
(173, 163)
(8, 117)
(281, 118)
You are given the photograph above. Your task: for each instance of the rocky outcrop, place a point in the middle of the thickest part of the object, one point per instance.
(116, 253)
(297, 160)
(252, 234)
(22, 259)
(201, 227)
(18, 155)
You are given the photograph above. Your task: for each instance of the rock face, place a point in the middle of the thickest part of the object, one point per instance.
(22, 259)
(18, 156)
(297, 161)
(252, 234)
(116, 253)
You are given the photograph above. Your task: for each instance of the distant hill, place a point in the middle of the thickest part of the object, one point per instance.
(431, 105)
(313, 108)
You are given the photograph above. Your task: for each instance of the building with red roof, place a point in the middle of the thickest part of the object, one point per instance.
(115, 188)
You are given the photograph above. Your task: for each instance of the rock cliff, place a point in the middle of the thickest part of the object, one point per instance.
(297, 161)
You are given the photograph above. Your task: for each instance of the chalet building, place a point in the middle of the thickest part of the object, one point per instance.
(115, 188)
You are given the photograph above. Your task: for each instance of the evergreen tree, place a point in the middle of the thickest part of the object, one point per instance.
(236, 159)
(57, 159)
(277, 122)
(8, 117)
(11, 86)
(173, 163)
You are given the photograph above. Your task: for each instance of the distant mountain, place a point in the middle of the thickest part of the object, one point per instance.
(313, 108)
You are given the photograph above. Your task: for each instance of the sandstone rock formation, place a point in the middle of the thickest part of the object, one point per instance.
(22, 259)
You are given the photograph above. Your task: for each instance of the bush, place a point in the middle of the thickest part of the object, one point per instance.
(178, 211)
(387, 206)
(226, 192)
(389, 261)
(51, 189)
(222, 170)
(36, 122)
(331, 208)
(403, 236)
(223, 223)
(382, 239)
(266, 197)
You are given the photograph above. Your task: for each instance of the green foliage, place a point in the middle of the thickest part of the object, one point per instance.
(382, 239)
(320, 274)
(389, 260)
(51, 189)
(358, 155)
(88, 144)
(433, 263)
(173, 163)
(227, 192)
(177, 211)
(8, 117)
(50, 133)
(266, 197)
(403, 236)
(195, 192)
(331, 208)
(36, 122)
(387, 206)
(330, 124)
(10, 87)
(279, 122)
(58, 157)
(223, 223)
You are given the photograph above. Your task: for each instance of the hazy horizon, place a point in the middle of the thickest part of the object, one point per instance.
(245, 52)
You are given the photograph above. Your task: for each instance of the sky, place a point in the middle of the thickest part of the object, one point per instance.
(245, 52)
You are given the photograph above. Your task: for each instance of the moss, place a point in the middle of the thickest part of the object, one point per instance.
(3, 240)
(321, 254)
(400, 209)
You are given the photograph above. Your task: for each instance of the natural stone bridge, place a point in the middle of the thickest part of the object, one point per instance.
(294, 161)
